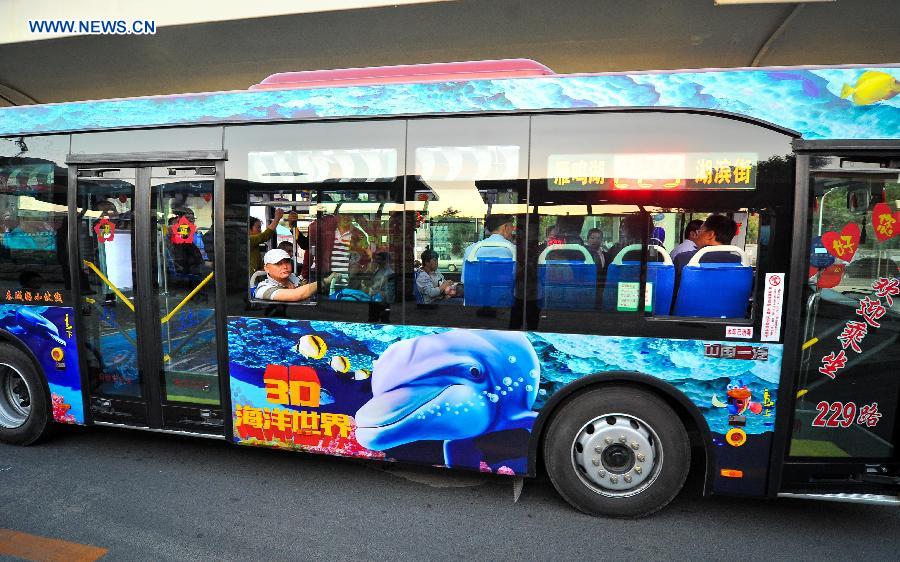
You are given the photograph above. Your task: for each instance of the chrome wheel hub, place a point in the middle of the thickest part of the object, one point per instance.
(15, 398)
(617, 455)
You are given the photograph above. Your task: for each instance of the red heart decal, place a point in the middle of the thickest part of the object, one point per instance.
(831, 277)
(885, 222)
(844, 244)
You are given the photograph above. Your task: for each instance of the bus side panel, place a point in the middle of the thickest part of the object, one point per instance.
(49, 333)
(469, 398)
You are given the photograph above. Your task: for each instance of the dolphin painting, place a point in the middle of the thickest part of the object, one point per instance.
(31, 323)
(455, 387)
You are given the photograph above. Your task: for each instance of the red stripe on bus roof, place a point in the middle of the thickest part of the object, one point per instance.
(437, 72)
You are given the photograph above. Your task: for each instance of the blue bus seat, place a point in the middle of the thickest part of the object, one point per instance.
(566, 283)
(660, 277)
(255, 280)
(713, 289)
(489, 280)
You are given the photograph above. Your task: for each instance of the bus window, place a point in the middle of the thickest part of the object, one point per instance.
(465, 194)
(584, 264)
(669, 167)
(848, 387)
(322, 202)
(714, 261)
(33, 222)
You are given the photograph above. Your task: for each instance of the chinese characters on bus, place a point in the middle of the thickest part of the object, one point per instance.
(291, 416)
(591, 172)
(33, 296)
(884, 222)
(292, 386)
(843, 415)
(843, 244)
(869, 312)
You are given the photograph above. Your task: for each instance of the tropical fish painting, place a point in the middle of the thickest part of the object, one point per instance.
(311, 346)
(871, 87)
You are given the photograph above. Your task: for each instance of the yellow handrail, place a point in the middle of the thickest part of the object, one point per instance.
(129, 304)
(109, 284)
(175, 310)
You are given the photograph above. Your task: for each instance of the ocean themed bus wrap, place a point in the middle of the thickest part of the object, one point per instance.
(49, 334)
(469, 399)
(818, 102)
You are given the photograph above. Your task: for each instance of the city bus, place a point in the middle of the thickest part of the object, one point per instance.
(611, 279)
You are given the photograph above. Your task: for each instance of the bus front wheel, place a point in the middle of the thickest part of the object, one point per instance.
(24, 404)
(617, 451)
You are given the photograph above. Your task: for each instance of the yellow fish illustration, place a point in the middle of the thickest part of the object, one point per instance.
(311, 346)
(362, 374)
(871, 87)
(340, 364)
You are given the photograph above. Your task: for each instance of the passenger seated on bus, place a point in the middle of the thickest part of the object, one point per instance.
(717, 230)
(430, 282)
(280, 283)
(502, 229)
(690, 238)
(567, 231)
(259, 236)
(382, 281)
(594, 245)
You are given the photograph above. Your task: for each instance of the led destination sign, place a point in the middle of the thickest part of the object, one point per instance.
(660, 171)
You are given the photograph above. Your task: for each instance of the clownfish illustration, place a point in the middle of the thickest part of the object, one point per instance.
(738, 400)
(312, 347)
(340, 364)
(871, 87)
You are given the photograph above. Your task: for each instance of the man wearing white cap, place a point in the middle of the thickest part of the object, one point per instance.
(280, 283)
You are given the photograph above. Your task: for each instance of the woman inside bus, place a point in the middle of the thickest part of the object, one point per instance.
(259, 236)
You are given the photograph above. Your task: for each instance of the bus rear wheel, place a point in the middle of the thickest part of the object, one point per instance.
(24, 404)
(617, 451)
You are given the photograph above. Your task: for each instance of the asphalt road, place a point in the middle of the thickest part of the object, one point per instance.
(146, 496)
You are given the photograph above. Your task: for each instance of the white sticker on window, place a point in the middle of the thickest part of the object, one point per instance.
(742, 332)
(773, 300)
(627, 300)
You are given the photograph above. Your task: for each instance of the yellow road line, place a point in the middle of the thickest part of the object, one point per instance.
(33, 547)
(810, 343)
(109, 284)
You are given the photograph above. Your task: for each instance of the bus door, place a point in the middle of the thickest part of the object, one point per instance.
(147, 316)
(845, 425)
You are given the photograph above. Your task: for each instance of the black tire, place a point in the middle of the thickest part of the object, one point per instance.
(24, 400)
(652, 432)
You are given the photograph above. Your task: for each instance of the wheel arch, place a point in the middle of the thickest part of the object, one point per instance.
(11, 339)
(688, 413)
